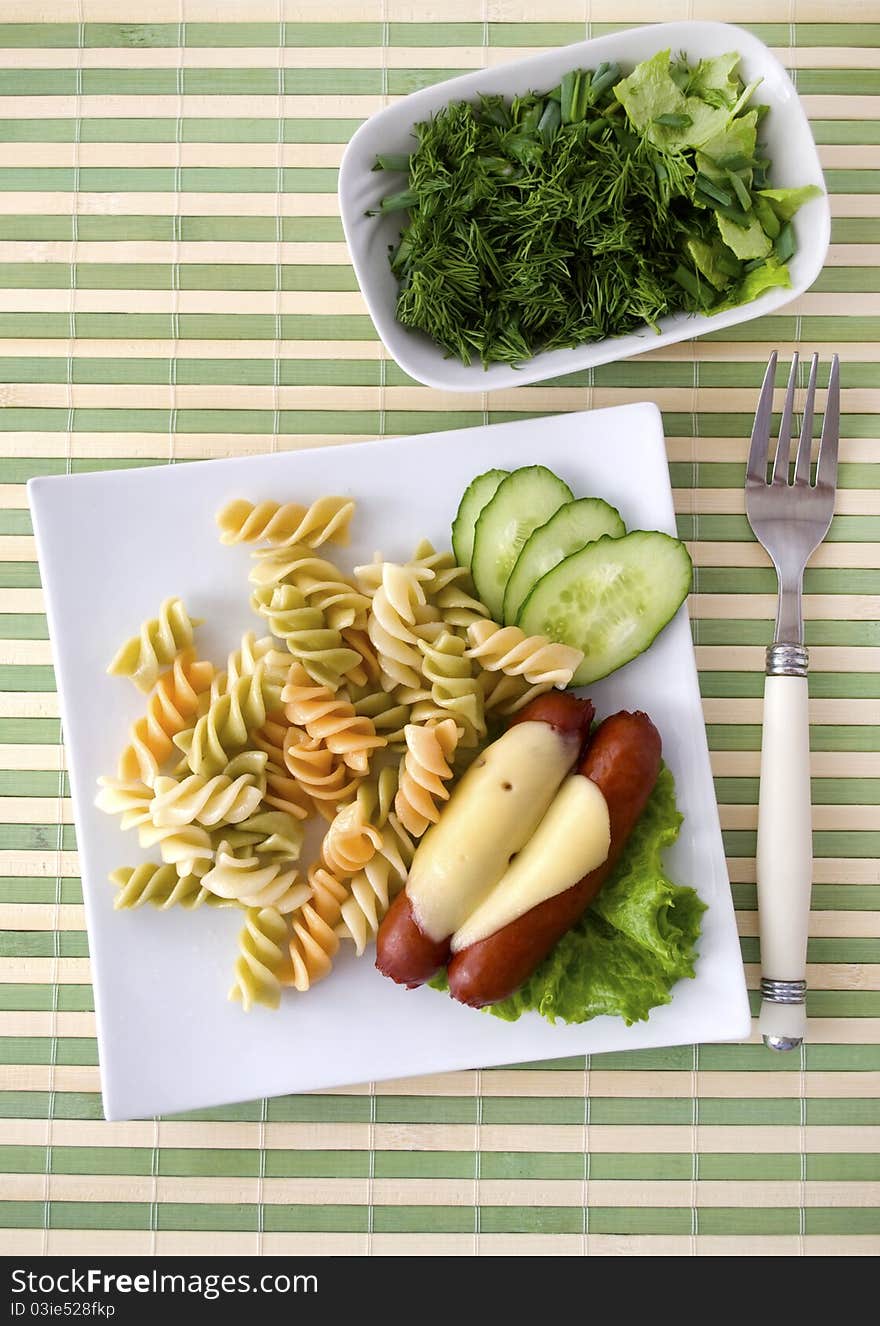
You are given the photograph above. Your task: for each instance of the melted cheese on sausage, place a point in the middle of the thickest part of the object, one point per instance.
(491, 815)
(572, 840)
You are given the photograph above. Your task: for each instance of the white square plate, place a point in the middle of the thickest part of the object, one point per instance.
(786, 132)
(113, 545)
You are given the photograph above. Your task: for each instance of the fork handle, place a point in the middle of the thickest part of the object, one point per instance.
(785, 848)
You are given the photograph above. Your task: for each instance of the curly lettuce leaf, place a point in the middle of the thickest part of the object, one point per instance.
(753, 284)
(739, 138)
(650, 93)
(785, 202)
(634, 943)
(712, 261)
(747, 242)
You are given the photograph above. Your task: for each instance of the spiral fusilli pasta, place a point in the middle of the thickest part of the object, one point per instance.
(223, 731)
(173, 706)
(304, 630)
(160, 638)
(351, 839)
(129, 798)
(389, 715)
(188, 847)
(367, 671)
(330, 719)
(424, 772)
(322, 776)
(283, 792)
(270, 833)
(262, 959)
(313, 941)
(507, 649)
(506, 695)
(372, 888)
(398, 620)
(449, 673)
(226, 798)
(320, 582)
(160, 886)
(252, 881)
(327, 519)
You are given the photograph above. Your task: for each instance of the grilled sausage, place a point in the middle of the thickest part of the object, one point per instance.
(403, 951)
(623, 759)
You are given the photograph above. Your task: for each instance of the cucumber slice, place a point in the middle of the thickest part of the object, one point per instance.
(611, 599)
(476, 496)
(574, 524)
(523, 501)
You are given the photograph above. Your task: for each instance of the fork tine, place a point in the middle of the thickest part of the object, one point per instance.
(805, 446)
(783, 446)
(826, 470)
(757, 468)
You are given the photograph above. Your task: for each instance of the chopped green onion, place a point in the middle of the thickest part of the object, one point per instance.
(575, 96)
(706, 186)
(691, 283)
(392, 161)
(532, 118)
(785, 244)
(754, 264)
(604, 80)
(742, 193)
(596, 127)
(550, 121)
(399, 202)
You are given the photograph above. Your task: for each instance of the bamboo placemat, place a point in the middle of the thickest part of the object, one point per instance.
(174, 285)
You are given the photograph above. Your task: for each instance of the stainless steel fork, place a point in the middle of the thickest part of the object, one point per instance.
(790, 518)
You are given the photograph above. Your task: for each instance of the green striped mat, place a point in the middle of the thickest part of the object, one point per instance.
(173, 286)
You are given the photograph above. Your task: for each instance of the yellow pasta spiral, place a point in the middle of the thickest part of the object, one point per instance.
(141, 657)
(226, 798)
(321, 775)
(224, 729)
(424, 771)
(188, 847)
(400, 617)
(129, 798)
(313, 941)
(506, 695)
(262, 959)
(252, 881)
(325, 520)
(330, 719)
(507, 649)
(304, 630)
(172, 707)
(160, 886)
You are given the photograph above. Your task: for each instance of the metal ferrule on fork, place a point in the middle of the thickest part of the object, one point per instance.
(787, 660)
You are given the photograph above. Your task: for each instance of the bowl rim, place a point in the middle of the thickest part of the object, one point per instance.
(398, 340)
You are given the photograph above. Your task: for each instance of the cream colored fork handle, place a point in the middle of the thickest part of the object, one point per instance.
(784, 858)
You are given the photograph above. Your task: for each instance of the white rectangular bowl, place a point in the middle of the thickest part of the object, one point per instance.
(790, 147)
(113, 545)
